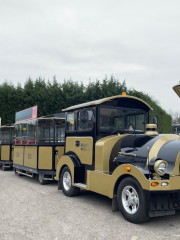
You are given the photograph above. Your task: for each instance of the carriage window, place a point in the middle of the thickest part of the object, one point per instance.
(25, 130)
(85, 120)
(60, 131)
(70, 122)
(45, 131)
(7, 135)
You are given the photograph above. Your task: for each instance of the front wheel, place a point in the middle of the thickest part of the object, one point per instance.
(66, 183)
(131, 201)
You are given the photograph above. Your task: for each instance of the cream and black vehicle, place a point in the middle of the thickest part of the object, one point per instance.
(38, 145)
(111, 149)
(7, 153)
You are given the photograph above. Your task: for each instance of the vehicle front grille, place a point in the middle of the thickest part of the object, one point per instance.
(165, 200)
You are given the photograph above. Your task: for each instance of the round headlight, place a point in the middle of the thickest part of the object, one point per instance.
(160, 167)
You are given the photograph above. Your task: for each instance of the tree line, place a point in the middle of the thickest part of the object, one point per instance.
(51, 97)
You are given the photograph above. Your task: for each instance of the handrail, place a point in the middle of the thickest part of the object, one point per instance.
(130, 154)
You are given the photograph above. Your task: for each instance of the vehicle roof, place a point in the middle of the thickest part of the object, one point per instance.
(100, 101)
(50, 118)
(7, 126)
(54, 116)
(60, 116)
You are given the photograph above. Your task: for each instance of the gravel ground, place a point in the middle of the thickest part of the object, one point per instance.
(31, 211)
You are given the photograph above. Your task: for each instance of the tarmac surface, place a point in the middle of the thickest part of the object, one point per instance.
(29, 210)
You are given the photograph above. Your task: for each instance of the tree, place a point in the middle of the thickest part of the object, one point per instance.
(51, 97)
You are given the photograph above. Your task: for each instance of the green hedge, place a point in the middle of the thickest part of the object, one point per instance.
(51, 97)
(164, 119)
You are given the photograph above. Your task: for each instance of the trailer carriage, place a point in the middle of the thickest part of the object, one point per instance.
(6, 146)
(38, 145)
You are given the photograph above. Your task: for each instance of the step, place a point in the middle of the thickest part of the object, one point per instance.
(81, 185)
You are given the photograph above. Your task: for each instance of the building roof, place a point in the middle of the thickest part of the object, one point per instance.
(176, 88)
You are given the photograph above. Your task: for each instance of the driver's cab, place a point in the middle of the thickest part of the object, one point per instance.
(87, 123)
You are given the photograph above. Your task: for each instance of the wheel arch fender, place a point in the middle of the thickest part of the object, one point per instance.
(74, 158)
(65, 160)
(69, 159)
(119, 174)
(118, 182)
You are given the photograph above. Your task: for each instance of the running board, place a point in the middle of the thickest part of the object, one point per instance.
(81, 185)
(24, 174)
(7, 166)
(48, 179)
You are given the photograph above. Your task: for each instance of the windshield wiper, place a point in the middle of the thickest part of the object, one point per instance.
(117, 130)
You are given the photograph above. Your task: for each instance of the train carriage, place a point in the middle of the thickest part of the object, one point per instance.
(6, 146)
(38, 145)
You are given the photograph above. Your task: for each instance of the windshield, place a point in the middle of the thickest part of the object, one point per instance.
(120, 119)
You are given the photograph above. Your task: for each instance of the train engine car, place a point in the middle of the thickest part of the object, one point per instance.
(111, 149)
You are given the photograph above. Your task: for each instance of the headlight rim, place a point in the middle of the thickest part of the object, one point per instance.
(156, 165)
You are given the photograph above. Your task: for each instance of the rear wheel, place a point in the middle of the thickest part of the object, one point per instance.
(18, 172)
(131, 201)
(41, 180)
(66, 183)
(3, 167)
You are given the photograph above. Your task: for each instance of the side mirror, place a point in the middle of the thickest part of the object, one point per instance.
(155, 121)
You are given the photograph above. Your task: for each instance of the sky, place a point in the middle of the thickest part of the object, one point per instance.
(137, 41)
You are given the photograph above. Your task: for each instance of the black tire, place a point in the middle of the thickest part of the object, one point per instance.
(41, 180)
(72, 191)
(3, 168)
(141, 214)
(37, 177)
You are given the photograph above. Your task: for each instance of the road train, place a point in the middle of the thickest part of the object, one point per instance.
(107, 146)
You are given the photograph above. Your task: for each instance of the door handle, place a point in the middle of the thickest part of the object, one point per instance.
(77, 143)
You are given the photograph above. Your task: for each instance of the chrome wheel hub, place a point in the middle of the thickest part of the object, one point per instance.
(130, 200)
(67, 181)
